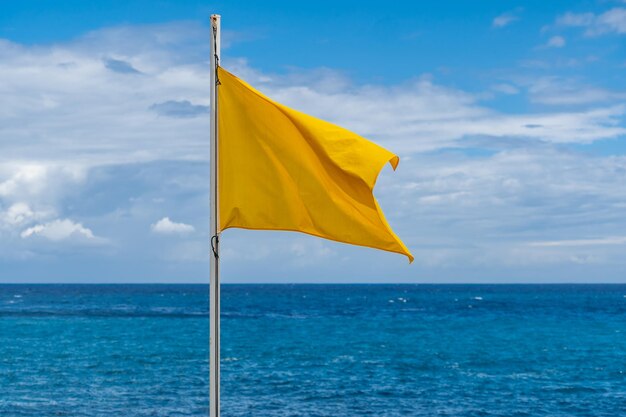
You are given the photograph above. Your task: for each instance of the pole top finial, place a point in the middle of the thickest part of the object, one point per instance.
(215, 20)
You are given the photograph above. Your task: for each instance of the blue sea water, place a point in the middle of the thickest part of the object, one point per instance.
(315, 350)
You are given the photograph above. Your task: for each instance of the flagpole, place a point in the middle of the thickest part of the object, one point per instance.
(214, 286)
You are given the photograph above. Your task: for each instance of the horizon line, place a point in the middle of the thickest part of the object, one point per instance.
(314, 283)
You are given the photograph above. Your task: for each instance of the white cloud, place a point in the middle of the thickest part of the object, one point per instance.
(58, 230)
(559, 91)
(32, 192)
(423, 116)
(556, 42)
(504, 19)
(37, 180)
(26, 178)
(166, 226)
(62, 103)
(620, 240)
(17, 214)
(505, 89)
(611, 21)
(460, 210)
(65, 102)
(576, 19)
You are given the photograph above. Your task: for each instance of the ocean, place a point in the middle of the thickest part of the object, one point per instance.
(315, 350)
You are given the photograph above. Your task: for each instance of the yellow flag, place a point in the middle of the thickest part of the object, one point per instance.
(279, 169)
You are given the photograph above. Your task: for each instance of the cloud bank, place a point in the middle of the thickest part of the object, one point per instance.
(612, 21)
(110, 131)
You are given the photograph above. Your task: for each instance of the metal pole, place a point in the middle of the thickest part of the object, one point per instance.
(214, 287)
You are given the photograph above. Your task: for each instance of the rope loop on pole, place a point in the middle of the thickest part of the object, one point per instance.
(216, 57)
(215, 240)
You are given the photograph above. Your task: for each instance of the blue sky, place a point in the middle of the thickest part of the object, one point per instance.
(509, 118)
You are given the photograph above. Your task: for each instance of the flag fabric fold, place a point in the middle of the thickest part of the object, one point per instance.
(280, 169)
